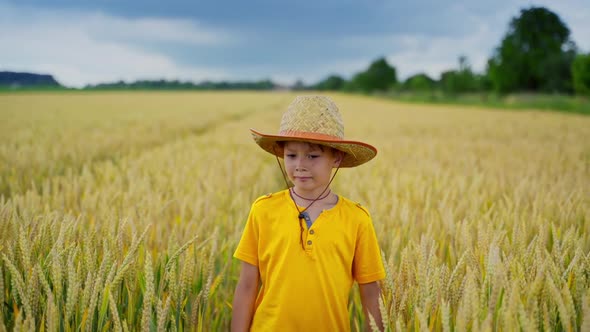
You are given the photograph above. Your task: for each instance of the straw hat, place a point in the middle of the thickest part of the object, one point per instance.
(315, 119)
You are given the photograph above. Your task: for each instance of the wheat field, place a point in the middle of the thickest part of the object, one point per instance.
(121, 211)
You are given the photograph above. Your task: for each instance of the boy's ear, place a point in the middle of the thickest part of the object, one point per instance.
(339, 155)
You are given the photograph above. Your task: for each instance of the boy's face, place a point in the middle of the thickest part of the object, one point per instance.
(309, 166)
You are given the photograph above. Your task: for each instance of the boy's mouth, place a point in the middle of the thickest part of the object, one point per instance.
(302, 178)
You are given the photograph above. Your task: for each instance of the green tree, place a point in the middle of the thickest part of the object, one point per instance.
(581, 74)
(380, 76)
(461, 80)
(332, 83)
(419, 82)
(535, 55)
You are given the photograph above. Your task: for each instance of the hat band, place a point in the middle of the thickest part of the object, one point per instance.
(309, 135)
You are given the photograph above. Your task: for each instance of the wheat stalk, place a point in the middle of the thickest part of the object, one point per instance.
(127, 261)
(163, 314)
(18, 285)
(146, 316)
(115, 318)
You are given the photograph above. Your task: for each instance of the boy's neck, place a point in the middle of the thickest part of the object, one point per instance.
(325, 200)
(311, 195)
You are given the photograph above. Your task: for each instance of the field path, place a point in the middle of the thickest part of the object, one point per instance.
(45, 135)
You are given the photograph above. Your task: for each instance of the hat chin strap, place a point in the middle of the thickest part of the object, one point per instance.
(301, 216)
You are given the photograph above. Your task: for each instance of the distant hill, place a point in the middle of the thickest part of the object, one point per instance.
(24, 80)
(13, 80)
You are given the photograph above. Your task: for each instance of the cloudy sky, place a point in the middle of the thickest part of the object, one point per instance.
(87, 42)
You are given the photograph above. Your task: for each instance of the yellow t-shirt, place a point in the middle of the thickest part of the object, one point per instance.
(308, 290)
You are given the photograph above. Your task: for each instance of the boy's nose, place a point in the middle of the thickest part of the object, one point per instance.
(300, 165)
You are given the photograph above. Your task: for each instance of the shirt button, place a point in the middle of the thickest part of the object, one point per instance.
(309, 242)
(311, 232)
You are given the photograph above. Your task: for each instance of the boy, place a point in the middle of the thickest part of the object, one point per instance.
(302, 248)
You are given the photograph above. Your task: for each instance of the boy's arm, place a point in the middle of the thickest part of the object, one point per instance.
(244, 298)
(370, 293)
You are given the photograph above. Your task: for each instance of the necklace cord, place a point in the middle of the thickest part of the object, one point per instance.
(309, 199)
(301, 215)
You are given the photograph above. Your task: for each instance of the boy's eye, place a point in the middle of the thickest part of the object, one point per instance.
(312, 156)
(290, 155)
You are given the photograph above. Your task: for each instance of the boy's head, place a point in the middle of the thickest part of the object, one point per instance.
(315, 120)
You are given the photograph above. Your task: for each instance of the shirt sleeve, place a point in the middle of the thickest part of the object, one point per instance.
(367, 264)
(247, 249)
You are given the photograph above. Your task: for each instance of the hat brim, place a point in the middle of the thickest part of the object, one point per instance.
(355, 153)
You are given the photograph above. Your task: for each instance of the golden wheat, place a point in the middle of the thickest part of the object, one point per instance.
(121, 211)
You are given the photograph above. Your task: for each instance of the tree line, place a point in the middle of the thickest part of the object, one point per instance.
(179, 85)
(536, 54)
(23, 81)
